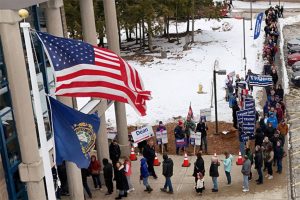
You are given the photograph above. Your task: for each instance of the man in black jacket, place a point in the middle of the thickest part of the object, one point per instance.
(258, 162)
(202, 127)
(149, 154)
(84, 174)
(114, 153)
(108, 176)
(168, 173)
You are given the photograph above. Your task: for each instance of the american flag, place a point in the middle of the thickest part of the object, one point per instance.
(83, 70)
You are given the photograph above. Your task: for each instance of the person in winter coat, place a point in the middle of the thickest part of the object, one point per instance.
(279, 112)
(149, 154)
(199, 171)
(214, 173)
(249, 73)
(227, 166)
(94, 169)
(167, 171)
(84, 174)
(161, 127)
(278, 154)
(258, 163)
(246, 169)
(274, 76)
(269, 157)
(262, 124)
(145, 174)
(235, 108)
(114, 153)
(128, 172)
(179, 134)
(121, 181)
(202, 128)
(259, 137)
(273, 119)
(283, 130)
(108, 176)
(269, 132)
(279, 91)
(189, 126)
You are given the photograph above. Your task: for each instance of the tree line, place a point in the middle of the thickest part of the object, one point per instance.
(144, 19)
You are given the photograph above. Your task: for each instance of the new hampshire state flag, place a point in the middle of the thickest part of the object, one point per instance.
(74, 134)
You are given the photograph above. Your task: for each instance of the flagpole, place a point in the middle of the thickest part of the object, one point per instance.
(38, 113)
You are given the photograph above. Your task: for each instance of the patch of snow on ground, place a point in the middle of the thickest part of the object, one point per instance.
(174, 82)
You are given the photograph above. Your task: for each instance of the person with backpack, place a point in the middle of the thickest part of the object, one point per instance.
(167, 171)
(144, 175)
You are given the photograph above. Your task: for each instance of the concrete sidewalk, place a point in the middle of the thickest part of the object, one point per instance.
(183, 184)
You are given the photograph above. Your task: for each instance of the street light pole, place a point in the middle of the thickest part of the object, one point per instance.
(216, 107)
(251, 14)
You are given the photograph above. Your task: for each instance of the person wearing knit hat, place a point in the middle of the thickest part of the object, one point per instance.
(179, 134)
(214, 173)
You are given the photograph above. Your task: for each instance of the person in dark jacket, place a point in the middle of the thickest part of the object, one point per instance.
(202, 128)
(279, 91)
(199, 170)
(84, 174)
(144, 175)
(179, 134)
(114, 154)
(168, 173)
(149, 154)
(62, 175)
(278, 155)
(259, 137)
(214, 173)
(121, 181)
(258, 164)
(274, 76)
(108, 176)
(269, 131)
(235, 108)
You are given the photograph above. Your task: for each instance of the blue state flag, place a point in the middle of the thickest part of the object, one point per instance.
(258, 25)
(74, 133)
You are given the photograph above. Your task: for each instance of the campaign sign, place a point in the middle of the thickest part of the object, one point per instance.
(248, 128)
(142, 134)
(241, 113)
(249, 103)
(206, 113)
(249, 119)
(162, 137)
(192, 137)
(260, 80)
(181, 142)
(198, 138)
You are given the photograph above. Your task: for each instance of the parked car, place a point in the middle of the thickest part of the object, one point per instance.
(292, 58)
(294, 49)
(293, 42)
(296, 78)
(296, 66)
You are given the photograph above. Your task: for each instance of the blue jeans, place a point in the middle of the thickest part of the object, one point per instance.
(145, 182)
(279, 165)
(168, 183)
(246, 182)
(204, 143)
(215, 182)
(242, 148)
(228, 176)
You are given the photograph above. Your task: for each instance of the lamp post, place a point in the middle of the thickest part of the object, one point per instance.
(251, 14)
(219, 72)
(244, 38)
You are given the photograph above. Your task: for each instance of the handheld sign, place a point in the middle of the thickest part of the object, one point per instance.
(260, 80)
(258, 25)
(162, 137)
(142, 134)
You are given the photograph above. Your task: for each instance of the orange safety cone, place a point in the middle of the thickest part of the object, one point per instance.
(132, 155)
(186, 162)
(156, 161)
(239, 161)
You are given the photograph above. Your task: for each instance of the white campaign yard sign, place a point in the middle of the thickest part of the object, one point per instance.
(207, 113)
(162, 136)
(142, 134)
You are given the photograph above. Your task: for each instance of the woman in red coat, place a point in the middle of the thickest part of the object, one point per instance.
(95, 168)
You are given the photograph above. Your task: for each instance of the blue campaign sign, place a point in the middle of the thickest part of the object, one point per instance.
(249, 119)
(258, 25)
(241, 113)
(249, 103)
(248, 128)
(260, 80)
